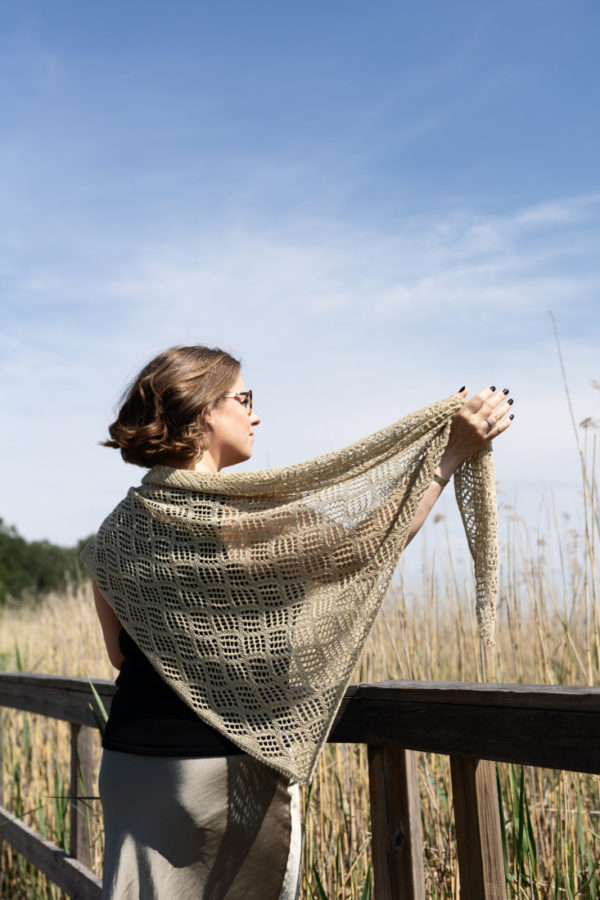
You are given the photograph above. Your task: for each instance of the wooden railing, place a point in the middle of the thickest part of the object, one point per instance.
(475, 724)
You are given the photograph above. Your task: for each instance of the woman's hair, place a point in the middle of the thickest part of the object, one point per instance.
(163, 412)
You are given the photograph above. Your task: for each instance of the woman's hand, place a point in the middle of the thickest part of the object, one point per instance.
(475, 424)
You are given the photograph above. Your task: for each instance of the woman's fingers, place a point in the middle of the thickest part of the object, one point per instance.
(496, 412)
(461, 392)
(477, 401)
(500, 426)
(489, 411)
(499, 398)
(497, 404)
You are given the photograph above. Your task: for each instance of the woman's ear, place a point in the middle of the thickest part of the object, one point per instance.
(207, 419)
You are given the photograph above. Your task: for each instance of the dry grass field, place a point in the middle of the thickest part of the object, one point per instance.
(548, 632)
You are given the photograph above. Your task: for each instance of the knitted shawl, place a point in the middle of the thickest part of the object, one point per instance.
(252, 594)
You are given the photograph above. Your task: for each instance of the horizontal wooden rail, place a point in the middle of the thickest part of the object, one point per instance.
(68, 873)
(475, 724)
(537, 725)
(56, 696)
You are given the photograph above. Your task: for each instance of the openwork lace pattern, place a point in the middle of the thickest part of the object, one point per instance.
(252, 594)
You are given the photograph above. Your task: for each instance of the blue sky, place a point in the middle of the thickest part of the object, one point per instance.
(371, 204)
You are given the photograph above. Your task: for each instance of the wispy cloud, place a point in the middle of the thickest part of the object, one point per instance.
(341, 328)
(528, 260)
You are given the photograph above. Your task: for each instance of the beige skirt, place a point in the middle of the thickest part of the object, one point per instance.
(222, 828)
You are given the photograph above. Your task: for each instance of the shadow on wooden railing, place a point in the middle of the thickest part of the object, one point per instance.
(475, 724)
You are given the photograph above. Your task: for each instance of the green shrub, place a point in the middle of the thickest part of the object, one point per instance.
(32, 569)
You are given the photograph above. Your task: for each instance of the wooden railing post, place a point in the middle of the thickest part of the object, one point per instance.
(82, 749)
(397, 843)
(478, 836)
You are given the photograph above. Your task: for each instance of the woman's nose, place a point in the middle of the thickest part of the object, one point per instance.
(255, 419)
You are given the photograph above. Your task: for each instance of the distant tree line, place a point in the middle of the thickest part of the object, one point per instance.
(30, 569)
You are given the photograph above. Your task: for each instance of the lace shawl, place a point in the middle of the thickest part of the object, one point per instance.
(252, 594)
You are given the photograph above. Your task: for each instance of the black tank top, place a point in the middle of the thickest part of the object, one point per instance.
(147, 717)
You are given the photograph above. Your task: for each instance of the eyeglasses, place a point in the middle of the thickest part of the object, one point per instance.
(243, 397)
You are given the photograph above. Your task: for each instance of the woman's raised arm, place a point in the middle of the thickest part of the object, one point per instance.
(302, 538)
(478, 421)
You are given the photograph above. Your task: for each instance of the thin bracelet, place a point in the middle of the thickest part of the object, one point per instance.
(441, 481)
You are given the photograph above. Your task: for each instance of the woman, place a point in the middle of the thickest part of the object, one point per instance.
(236, 607)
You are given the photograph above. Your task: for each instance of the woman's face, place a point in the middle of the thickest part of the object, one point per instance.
(230, 431)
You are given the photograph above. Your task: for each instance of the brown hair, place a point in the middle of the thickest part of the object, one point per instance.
(163, 412)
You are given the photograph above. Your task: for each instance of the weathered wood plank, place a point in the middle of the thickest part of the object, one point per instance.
(539, 725)
(397, 842)
(63, 698)
(82, 764)
(56, 681)
(69, 874)
(553, 738)
(478, 837)
(525, 696)
(538, 696)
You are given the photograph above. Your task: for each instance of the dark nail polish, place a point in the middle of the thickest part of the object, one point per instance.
(510, 402)
(512, 415)
(492, 387)
(505, 390)
(460, 390)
